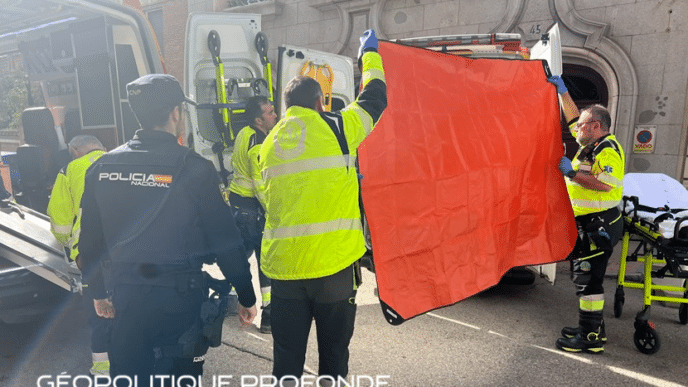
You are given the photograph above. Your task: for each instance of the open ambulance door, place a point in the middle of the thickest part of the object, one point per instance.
(235, 63)
(335, 73)
(80, 54)
(549, 49)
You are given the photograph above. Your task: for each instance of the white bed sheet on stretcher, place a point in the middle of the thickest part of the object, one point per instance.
(657, 190)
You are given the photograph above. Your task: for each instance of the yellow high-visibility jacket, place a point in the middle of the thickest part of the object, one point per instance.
(313, 221)
(64, 207)
(604, 159)
(246, 178)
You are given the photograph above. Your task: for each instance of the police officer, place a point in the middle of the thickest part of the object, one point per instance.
(153, 213)
(63, 209)
(594, 181)
(313, 234)
(243, 189)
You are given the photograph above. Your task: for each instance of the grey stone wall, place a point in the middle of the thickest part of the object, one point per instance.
(637, 45)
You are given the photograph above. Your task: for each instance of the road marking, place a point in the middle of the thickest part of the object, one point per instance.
(566, 354)
(644, 378)
(257, 337)
(651, 380)
(454, 321)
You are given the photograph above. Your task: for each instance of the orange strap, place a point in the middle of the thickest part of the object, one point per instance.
(325, 77)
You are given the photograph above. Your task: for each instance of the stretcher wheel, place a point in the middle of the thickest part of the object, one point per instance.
(619, 300)
(646, 339)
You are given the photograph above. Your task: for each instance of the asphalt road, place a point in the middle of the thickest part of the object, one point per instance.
(503, 336)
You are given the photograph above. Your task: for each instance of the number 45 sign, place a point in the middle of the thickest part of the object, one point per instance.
(644, 141)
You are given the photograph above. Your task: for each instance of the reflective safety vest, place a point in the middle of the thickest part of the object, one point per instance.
(65, 201)
(605, 160)
(246, 176)
(313, 221)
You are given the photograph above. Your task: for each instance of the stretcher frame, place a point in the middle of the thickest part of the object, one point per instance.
(653, 249)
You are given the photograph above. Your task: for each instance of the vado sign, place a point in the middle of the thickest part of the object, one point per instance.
(644, 141)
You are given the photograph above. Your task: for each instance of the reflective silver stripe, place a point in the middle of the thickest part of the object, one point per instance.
(366, 119)
(592, 303)
(372, 74)
(305, 165)
(289, 130)
(313, 229)
(596, 204)
(243, 182)
(609, 179)
(64, 230)
(352, 161)
(75, 237)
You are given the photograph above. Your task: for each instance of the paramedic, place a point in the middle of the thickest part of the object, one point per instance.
(313, 234)
(63, 210)
(594, 181)
(153, 213)
(246, 207)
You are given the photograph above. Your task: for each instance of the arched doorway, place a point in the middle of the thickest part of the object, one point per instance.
(587, 87)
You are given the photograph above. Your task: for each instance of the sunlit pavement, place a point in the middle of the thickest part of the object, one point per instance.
(502, 337)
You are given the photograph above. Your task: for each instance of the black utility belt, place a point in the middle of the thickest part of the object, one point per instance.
(181, 281)
(610, 214)
(245, 203)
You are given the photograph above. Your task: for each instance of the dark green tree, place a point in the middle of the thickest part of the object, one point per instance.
(14, 98)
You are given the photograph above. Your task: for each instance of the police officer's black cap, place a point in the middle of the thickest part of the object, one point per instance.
(155, 92)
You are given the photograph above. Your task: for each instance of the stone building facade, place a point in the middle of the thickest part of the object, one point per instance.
(627, 54)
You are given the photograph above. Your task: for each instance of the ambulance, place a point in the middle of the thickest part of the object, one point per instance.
(82, 53)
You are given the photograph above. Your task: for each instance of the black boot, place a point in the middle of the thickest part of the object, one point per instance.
(590, 343)
(265, 326)
(571, 332)
(588, 338)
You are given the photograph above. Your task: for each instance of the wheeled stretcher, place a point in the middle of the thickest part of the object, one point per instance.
(655, 220)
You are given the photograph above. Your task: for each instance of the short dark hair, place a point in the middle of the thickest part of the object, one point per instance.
(153, 97)
(254, 107)
(302, 91)
(601, 114)
(155, 118)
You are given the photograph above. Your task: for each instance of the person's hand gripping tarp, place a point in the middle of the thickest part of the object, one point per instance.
(368, 43)
(559, 83)
(566, 168)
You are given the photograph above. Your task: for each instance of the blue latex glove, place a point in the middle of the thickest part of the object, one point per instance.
(566, 168)
(368, 43)
(559, 83)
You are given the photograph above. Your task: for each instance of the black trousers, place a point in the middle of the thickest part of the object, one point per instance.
(331, 302)
(100, 327)
(251, 223)
(589, 265)
(149, 317)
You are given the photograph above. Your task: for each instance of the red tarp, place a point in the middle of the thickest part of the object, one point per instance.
(460, 177)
